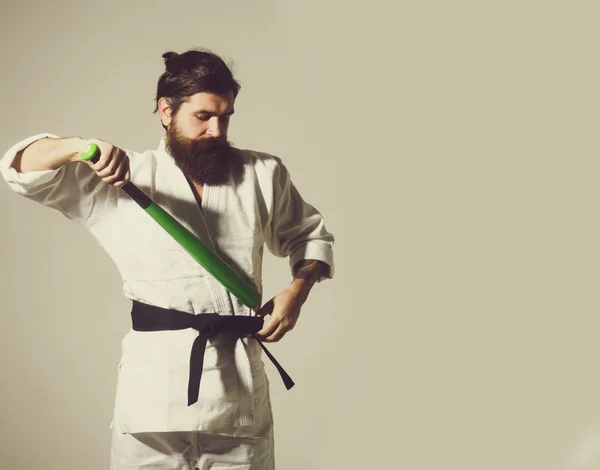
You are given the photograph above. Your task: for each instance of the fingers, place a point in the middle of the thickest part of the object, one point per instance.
(108, 166)
(110, 159)
(111, 174)
(113, 165)
(278, 334)
(106, 150)
(126, 178)
(269, 328)
(118, 174)
(275, 329)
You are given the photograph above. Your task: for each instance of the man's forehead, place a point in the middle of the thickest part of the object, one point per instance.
(211, 101)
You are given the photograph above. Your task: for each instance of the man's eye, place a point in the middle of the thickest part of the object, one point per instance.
(202, 118)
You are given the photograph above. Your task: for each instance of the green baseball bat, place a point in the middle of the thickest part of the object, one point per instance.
(190, 242)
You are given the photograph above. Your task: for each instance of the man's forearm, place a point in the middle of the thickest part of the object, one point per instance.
(306, 273)
(48, 154)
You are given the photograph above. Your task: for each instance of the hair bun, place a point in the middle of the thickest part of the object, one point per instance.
(170, 59)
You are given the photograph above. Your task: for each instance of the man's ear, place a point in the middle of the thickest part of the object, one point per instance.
(164, 110)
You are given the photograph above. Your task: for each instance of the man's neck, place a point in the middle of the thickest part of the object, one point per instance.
(197, 189)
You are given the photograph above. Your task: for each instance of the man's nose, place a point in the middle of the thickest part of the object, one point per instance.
(215, 127)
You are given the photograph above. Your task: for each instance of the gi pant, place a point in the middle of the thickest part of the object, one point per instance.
(191, 450)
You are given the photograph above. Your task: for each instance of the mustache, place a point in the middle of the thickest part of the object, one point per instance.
(210, 143)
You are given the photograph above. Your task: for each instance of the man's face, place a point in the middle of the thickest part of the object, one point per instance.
(197, 137)
(205, 115)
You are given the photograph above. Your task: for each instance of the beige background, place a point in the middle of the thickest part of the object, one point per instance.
(452, 148)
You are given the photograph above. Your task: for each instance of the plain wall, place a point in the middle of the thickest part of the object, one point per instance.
(452, 148)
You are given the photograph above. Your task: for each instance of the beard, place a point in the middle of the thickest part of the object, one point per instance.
(208, 160)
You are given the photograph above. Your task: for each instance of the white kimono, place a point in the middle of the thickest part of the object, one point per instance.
(236, 221)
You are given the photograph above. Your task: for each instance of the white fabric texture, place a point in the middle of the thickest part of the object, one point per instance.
(190, 451)
(236, 220)
(195, 450)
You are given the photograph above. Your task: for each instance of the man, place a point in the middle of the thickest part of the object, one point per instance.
(236, 201)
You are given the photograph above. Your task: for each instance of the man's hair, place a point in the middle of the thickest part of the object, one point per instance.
(194, 71)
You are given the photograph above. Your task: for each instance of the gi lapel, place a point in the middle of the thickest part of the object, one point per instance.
(211, 203)
(197, 219)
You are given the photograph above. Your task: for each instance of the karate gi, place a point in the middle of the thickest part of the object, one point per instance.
(262, 208)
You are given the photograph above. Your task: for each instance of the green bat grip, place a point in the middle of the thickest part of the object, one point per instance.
(209, 260)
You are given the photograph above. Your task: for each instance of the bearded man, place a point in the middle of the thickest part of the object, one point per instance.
(235, 201)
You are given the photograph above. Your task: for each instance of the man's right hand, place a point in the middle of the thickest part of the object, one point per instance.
(113, 165)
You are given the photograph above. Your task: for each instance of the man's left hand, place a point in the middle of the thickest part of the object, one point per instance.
(285, 310)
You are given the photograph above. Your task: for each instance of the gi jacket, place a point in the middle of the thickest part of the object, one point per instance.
(260, 206)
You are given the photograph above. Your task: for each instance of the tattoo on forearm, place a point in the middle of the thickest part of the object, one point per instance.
(311, 270)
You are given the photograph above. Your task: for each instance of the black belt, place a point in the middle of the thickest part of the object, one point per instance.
(147, 317)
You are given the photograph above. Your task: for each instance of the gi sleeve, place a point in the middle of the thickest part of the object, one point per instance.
(295, 228)
(73, 189)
